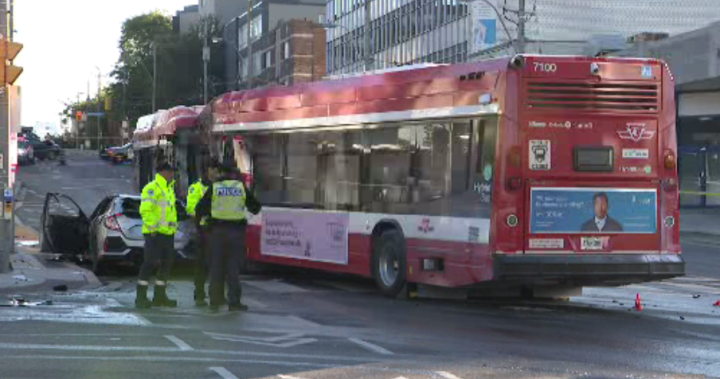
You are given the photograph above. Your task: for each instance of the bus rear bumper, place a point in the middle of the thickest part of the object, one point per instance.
(596, 269)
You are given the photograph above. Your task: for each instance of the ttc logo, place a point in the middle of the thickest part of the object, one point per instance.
(425, 226)
(635, 132)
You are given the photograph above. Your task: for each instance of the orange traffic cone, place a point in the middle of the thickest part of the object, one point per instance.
(638, 303)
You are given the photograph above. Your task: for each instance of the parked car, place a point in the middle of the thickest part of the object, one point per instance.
(111, 235)
(47, 149)
(103, 153)
(120, 154)
(25, 152)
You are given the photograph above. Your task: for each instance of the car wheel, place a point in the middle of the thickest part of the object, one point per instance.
(390, 263)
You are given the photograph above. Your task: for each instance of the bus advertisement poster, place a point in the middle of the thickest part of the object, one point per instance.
(297, 234)
(593, 210)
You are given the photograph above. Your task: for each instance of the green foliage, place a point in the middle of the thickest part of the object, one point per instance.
(179, 67)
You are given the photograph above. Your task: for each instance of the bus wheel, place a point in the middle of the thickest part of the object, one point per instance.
(390, 263)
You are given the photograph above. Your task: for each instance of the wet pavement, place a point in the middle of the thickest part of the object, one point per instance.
(316, 326)
(342, 328)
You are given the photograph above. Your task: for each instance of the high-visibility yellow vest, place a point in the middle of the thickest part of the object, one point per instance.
(157, 209)
(228, 201)
(195, 194)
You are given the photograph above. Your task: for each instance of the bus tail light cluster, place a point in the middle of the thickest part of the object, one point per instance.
(670, 160)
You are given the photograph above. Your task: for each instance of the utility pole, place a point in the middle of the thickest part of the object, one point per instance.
(99, 131)
(250, 45)
(8, 73)
(368, 37)
(521, 27)
(154, 78)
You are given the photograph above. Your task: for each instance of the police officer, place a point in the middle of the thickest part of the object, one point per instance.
(195, 193)
(226, 204)
(159, 227)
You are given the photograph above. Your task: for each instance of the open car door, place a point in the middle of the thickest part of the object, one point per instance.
(64, 225)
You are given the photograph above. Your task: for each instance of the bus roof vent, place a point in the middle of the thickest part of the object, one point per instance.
(622, 97)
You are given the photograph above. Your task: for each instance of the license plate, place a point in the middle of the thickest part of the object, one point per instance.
(592, 243)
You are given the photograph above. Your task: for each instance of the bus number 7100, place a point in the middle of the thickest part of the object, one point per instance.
(545, 67)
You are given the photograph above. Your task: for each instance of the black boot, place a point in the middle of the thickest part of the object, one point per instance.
(141, 299)
(160, 298)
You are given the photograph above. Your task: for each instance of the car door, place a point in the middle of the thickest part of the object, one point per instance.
(64, 225)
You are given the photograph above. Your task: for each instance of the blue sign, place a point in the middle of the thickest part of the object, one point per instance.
(95, 114)
(593, 210)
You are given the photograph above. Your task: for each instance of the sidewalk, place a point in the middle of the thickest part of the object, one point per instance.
(701, 225)
(33, 271)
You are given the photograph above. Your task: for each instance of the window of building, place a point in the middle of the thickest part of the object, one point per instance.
(242, 37)
(257, 62)
(267, 62)
(256, 28)
(286, 50)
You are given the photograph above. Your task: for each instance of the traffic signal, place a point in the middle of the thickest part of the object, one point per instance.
(8, 51)
(78, 116)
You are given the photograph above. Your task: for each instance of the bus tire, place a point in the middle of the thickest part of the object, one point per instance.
(390, 262)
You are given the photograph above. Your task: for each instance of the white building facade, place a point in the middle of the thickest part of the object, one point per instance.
(450, 31)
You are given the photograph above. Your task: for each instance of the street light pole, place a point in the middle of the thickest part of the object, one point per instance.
(250, 45)
(154, 78)
(521, 28)
(99, 131)
(206, 58)
(368, 37)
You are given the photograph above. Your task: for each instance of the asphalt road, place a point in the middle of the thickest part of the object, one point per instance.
(312, 326)
(85, 178)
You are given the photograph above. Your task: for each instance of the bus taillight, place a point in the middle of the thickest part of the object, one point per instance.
(669, 160)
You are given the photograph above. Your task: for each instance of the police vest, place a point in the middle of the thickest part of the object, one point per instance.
(228, 201)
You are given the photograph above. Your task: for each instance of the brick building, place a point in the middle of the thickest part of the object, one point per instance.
(293, 52)
(285, 41)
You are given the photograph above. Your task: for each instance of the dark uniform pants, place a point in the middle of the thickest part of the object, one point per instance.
(159, 249)
(227, 253)
(201, 263)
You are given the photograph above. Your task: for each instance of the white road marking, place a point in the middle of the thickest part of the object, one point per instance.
(223, 372)
(446, 375)
(371, 346)
(288, 377)
(172, 359)
(284, 341)
(180, 343)
(146, 349)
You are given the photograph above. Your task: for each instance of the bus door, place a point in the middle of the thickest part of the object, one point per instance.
(594, 186)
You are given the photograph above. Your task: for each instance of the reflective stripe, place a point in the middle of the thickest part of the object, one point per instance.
(159, 283)
(143, 283)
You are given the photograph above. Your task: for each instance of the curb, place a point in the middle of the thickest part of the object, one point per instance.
(699, 237)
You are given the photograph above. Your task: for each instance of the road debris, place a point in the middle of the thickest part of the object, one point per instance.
(60, 287)
(696, 296)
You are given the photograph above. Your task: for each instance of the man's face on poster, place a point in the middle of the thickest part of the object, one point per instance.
(601, 207)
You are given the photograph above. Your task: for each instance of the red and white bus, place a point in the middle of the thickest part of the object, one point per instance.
(529, 172)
